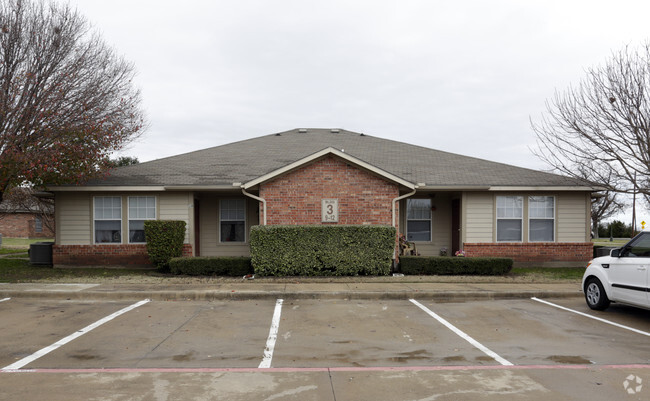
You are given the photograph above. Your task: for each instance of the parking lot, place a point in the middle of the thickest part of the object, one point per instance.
(323, 349)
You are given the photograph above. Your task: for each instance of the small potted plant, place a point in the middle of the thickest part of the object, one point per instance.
(460, 253)
(443, 251)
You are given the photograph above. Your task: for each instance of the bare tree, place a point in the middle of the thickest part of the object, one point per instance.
(603, 207)
(67, 101)
(600, 129)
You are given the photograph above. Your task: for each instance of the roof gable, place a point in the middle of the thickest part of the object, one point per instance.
(323, 153)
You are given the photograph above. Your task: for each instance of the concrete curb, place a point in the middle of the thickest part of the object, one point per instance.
(206, 295)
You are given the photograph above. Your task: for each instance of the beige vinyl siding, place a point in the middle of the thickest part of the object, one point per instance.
(478, 219)
(73, 218)
(571, 215)
(209, 227)
(177, 206)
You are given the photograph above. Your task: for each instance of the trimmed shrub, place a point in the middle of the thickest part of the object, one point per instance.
(164, 240)
(322, 250)
(437, 265)
(211, 266)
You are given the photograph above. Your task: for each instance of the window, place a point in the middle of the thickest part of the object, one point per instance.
(141, 208)
(108, 219)
(541, 219)
(510, 212)
(233, 220)
(418, 219)
(38, 224)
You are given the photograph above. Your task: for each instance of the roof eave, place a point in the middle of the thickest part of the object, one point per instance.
(106, 188)
(545, 188)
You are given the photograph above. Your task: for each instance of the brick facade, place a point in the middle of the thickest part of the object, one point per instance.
(22, 225)
(103, 255)
(536, 252)
(295, 198)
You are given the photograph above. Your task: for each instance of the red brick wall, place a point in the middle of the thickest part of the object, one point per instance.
(295, 198)
(21, 225)
(100, 255)
(533, 252)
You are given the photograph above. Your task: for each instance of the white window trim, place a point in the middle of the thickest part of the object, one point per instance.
(128, 211)
(245, 241)
(521, 219)
(430, 222)
(94, 239)
(545, 218)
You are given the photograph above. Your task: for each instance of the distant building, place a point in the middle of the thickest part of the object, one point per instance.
(22, 216)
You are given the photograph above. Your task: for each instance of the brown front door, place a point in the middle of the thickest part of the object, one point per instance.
(455, 226)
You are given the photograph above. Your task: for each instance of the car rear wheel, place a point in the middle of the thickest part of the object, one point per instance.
(595, 294)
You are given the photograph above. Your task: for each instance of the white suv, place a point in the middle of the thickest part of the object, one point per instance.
(620, 277)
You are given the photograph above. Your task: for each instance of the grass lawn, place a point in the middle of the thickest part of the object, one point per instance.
(617, 242)
(12, 251)
(19, 270)
(22, 243)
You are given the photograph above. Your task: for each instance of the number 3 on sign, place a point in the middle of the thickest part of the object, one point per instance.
(330, 211)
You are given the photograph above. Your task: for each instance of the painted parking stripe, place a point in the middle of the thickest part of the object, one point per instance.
(4, 299)
(29, 359)
(273, 336)
(645, 333)
(463, 335)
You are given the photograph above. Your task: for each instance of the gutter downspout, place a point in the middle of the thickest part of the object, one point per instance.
(399, 198)
(257, 198)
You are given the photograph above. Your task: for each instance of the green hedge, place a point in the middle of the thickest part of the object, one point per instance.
(164, 240)
(322, 250)
(440, 265)
(211, 266)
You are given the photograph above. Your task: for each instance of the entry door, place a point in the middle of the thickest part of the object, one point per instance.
(629, 272)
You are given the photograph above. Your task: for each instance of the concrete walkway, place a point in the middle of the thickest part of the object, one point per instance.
(266, 289)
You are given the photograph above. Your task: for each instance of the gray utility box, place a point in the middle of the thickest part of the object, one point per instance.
(40, 253)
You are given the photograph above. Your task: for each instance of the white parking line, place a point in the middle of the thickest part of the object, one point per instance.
(63, 341)
(645, 333)
(4, 299)
(273, 336)
(462, 334)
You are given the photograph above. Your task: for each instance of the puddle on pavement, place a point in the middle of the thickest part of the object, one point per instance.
(184, 357)
(455, 358)
(84, 356)
(404, 357)
(569, 359)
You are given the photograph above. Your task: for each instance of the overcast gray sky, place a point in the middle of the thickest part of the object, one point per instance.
(462, 76)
